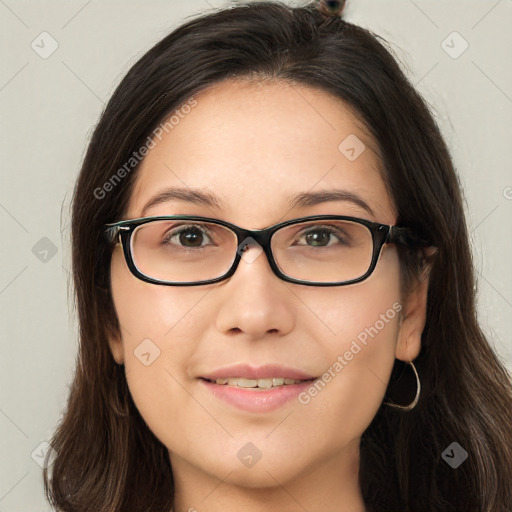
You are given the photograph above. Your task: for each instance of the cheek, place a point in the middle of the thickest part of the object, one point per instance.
(359, 352)
(148, 311)
(160, 333)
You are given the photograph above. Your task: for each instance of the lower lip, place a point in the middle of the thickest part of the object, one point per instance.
(254, 400)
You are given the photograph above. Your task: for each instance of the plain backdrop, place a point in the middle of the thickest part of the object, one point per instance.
(457, 53)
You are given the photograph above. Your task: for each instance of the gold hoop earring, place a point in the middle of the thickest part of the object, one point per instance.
(416, 398)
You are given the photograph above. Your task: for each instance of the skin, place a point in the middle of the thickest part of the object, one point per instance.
(254, 144)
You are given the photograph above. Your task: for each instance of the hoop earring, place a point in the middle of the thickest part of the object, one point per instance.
(416, 398)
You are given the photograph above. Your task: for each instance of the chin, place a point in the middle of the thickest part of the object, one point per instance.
(270, 470)
(258, 476)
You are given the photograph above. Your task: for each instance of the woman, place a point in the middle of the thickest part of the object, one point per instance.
(275, 287)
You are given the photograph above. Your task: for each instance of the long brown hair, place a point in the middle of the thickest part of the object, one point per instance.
(107, 459)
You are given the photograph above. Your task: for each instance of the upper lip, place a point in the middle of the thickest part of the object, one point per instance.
(257, 372)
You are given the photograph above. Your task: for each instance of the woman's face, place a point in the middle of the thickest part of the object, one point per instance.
(253, 146)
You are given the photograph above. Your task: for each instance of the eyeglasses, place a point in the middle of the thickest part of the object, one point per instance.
(321, 250)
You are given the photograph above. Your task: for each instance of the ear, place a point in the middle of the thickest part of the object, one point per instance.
(116, 347)
(413, 321)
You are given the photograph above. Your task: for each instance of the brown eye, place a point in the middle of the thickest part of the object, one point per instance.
(188, 236)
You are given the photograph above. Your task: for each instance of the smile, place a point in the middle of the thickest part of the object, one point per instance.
(266, 383)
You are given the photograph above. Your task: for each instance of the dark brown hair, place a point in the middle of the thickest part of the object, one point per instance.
(107, 457)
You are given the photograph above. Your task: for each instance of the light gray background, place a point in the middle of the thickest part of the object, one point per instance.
(49, 107)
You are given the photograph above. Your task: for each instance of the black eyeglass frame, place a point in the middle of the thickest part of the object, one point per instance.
(381, 234)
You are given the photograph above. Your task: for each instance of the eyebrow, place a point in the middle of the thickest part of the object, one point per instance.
(300, 200)
(189, 195)
(306, 199)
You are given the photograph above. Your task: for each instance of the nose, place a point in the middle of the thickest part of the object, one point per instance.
(254, 301)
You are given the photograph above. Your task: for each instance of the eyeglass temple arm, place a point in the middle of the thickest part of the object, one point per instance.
(405, 237)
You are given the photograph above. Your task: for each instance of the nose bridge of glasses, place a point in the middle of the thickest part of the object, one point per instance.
(248, 237)
(259, 240)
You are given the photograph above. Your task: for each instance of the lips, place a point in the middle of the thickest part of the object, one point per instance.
(255, 399)
(254, 389)
(246, 371)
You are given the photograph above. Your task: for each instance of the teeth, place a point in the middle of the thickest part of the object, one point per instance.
(257, 383)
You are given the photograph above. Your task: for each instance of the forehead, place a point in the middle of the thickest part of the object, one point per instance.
(254, 145)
